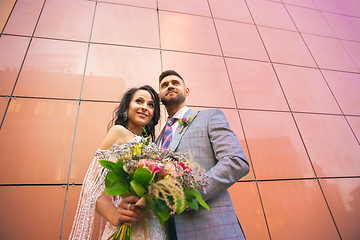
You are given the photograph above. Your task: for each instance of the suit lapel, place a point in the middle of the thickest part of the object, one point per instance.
(176, 135)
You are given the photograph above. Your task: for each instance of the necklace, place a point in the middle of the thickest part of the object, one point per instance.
(130, 130)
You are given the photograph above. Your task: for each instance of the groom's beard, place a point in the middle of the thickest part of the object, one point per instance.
(176, 100)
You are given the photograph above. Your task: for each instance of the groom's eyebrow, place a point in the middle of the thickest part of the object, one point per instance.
(164, 83)
(172, 81)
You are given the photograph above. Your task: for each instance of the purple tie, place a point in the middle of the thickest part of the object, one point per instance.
(168, 133)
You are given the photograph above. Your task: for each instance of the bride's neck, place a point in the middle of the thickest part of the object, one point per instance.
(135, 131)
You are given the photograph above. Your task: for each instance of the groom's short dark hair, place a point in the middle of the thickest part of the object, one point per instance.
(168, 73)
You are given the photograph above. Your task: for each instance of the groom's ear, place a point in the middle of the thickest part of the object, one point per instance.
(187, 91)
(159, 96)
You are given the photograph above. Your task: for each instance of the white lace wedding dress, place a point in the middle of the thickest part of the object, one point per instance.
(93, 187)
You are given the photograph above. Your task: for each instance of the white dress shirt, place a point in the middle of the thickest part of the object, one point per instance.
(179, 115)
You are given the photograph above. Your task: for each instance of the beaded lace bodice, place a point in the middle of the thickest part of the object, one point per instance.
(92, 188)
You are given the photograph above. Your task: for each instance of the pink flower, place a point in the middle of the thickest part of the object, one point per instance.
(175, 174)
(170, 167)
(184, 119)
(182, 165)
(157, 168)
(142, 163)
(163, 172)
(187, 169)
(151, 166)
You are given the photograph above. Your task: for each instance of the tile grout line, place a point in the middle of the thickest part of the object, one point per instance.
(239, 117)
(302, 139)
(342, 44)
(338, 38)
(23, 61)
(159, 34)
(256, 182)
(232, 90)
(76, 123)
(161, 55)
(271, 62)
(7, 20)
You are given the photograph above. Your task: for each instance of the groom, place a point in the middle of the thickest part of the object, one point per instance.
(217, 150)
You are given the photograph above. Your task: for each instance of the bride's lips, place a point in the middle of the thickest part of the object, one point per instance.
(144, 115)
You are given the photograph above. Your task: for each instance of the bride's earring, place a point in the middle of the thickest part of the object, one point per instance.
(125, 115)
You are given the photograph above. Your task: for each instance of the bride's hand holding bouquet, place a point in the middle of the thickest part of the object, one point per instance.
(126, 212)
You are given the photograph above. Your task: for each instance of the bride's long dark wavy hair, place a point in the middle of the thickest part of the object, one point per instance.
(118, 114)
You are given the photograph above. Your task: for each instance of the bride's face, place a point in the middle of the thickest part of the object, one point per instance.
(140, 110)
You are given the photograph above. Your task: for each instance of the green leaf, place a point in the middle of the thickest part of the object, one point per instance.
(127, 194)
(180, 122)
(140, 190)
(107, 182)
(160, 203)
(112, 176)
(132, 191)
(142, 176)
(150, 203)
(107, 164)
(190, 194)
(170, 199)
(192, 204)
(116, 188)
(144, 130)
(162, 214)
(201, 201)
(179, 208)
(120, 170)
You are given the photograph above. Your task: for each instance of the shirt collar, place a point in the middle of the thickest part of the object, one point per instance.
(179, 114)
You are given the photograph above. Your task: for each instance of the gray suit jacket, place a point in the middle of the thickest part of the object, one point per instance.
(219, 152)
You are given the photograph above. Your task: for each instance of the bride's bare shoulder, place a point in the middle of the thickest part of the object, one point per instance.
(118, 129)
(117, 135)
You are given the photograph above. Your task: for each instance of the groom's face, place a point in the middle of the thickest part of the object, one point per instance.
(172, 90)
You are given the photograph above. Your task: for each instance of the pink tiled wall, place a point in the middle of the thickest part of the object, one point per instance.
(286, 73)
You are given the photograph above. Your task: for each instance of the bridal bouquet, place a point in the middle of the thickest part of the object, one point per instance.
(166, 180)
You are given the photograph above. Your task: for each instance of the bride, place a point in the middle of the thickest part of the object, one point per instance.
(139, 108)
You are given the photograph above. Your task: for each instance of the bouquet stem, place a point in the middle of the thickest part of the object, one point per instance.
(124, 233)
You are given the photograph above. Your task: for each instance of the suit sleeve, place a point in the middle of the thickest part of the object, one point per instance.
(231, 160)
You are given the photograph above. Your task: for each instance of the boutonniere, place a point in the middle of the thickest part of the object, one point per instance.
(185, 121)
